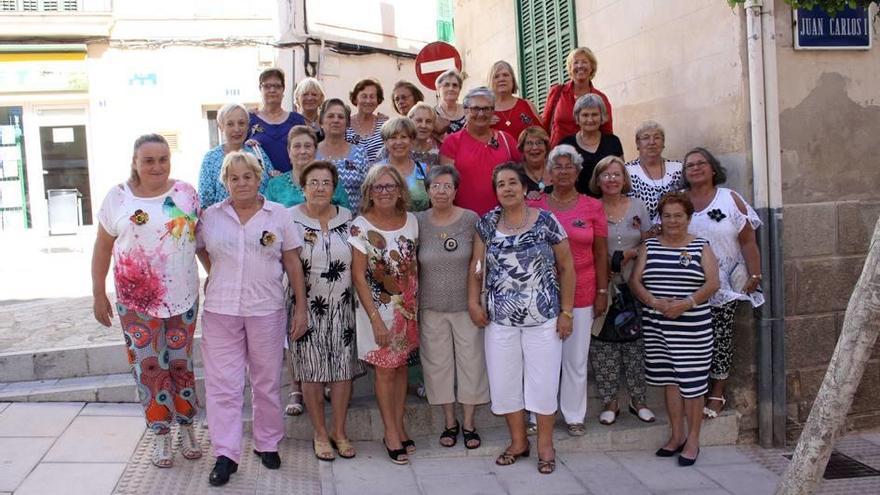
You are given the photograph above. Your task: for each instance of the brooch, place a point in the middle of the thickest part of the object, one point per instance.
(716, 215)
(140, 217)
(267, 239)
(579, 223)
(684, 258)
(637, 222)
(310, 237)
(493, 143)
(450, 244)
(256, 128)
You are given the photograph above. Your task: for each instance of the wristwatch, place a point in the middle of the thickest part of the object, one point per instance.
(568, 313)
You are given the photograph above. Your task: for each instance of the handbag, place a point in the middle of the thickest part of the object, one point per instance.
(623, 320)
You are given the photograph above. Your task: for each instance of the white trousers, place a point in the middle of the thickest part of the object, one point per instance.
(575, 351)
(523, 365)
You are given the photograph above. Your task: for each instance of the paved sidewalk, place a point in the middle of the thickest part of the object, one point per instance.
(93, 449)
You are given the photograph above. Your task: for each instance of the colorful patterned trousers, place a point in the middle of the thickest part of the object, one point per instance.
(160, 355)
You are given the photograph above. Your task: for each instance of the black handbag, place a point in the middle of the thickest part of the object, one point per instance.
(623, 321)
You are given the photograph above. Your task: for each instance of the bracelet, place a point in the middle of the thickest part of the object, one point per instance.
(756, 276)
(374, 313)
(693, 301)
(602, 291)
(567, 313)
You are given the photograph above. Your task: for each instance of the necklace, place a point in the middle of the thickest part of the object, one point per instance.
(584, 144)
(654, 181)
(443, 113)
(563, 201)
(539, 181)
(518, 227)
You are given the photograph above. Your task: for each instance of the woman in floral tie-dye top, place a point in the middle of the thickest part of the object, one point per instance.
(148, 226)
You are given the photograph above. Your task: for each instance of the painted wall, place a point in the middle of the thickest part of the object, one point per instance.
(830, 119)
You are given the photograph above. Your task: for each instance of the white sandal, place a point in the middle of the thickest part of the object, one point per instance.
(295, 404)
(710, 413)
(162, 455)
(187, 443)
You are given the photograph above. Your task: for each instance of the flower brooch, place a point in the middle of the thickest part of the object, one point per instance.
(140, 217)
(716, 215)
(267, 239)
(256, 128)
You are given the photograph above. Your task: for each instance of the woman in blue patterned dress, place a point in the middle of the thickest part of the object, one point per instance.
(232, 121)
(674, 277)
(530, 297)
(350, 159)
(365, 128)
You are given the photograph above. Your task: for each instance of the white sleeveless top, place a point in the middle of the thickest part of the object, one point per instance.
(721, 222)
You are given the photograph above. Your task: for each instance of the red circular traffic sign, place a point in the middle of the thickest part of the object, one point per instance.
(433, 60)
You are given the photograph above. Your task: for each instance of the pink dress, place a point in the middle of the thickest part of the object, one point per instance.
(475, 162)
(583, 222)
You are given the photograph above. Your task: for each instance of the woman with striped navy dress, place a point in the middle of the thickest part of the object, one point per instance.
(674, 277)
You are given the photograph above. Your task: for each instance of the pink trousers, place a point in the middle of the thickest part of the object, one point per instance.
(231, 344)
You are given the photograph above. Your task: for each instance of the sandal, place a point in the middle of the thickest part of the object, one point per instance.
(577, 429)
(295, 404)
(711, 413)
(546, 466)
(410, 446)
(398, 456)
(187, 443)
(343, 447)
(532, 429)
(323, 450)
(471, 436)
(450, 433)
(507, 457)
(162, 455)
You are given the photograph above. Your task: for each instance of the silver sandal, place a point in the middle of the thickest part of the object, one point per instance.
(162, 457)
(187, 443)
(294, 404)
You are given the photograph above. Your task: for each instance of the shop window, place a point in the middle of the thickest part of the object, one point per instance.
(546, 32)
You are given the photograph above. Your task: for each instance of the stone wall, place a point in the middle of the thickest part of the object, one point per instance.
(829, 120)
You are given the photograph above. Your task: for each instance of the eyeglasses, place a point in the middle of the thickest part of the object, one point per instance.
(693, 165)
(272, 86)
(379, 188)
(323, 184)
(610, 175)
(479, 110)
(437, 186)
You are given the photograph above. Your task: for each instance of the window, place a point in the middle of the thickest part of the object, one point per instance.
(546, 31)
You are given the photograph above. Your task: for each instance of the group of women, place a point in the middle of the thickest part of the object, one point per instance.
(477, 238)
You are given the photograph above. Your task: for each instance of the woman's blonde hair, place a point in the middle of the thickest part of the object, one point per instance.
(237, 157)
(309, 83)
(373, 175)
(600, 169)
(582, 50)
(502, 64)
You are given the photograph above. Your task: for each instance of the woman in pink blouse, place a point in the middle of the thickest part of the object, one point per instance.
(147, 225)
(583, 219)
(246, 245)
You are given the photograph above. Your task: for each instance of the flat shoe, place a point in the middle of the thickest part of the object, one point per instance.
(343, 447)
(188, 444)
(323, 451)
(162, 456)
(643, 413)
(577, 429)
(450, 433)
(532, 429)
(295, 404)
(223, 468)
(471, 436)
(711, 413)
(269, 459)
(608, 417)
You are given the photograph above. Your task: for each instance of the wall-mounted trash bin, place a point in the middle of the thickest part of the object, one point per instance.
(65, 211)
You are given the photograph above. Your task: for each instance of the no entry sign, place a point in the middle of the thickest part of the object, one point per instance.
(433, 59)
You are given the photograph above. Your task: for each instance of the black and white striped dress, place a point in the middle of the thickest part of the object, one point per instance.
(679, 351)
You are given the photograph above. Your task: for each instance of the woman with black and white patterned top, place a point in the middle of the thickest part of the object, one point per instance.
(652, 175)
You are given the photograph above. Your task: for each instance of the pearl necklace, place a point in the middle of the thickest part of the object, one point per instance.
(518, 227)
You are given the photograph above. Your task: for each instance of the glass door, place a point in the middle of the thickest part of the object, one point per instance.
(14, 204)
(66, 173)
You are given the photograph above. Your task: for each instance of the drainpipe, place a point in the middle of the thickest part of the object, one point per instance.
(767, 187)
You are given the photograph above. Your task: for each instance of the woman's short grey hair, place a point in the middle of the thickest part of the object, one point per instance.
(307, 84)
(478, 92)
(446, 74)
(590, 100)
(227, 108)
(438, 170)
(565, 150)
(649, 125)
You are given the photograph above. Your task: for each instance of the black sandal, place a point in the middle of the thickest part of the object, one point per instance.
(396, 454)
(450, 433)
(409, 446)
(471, 436)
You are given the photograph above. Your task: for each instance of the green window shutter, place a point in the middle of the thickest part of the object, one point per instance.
(445, 26)
(546, 33)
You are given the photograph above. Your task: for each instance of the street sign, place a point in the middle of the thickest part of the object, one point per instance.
(433, 60)
(814, 29)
